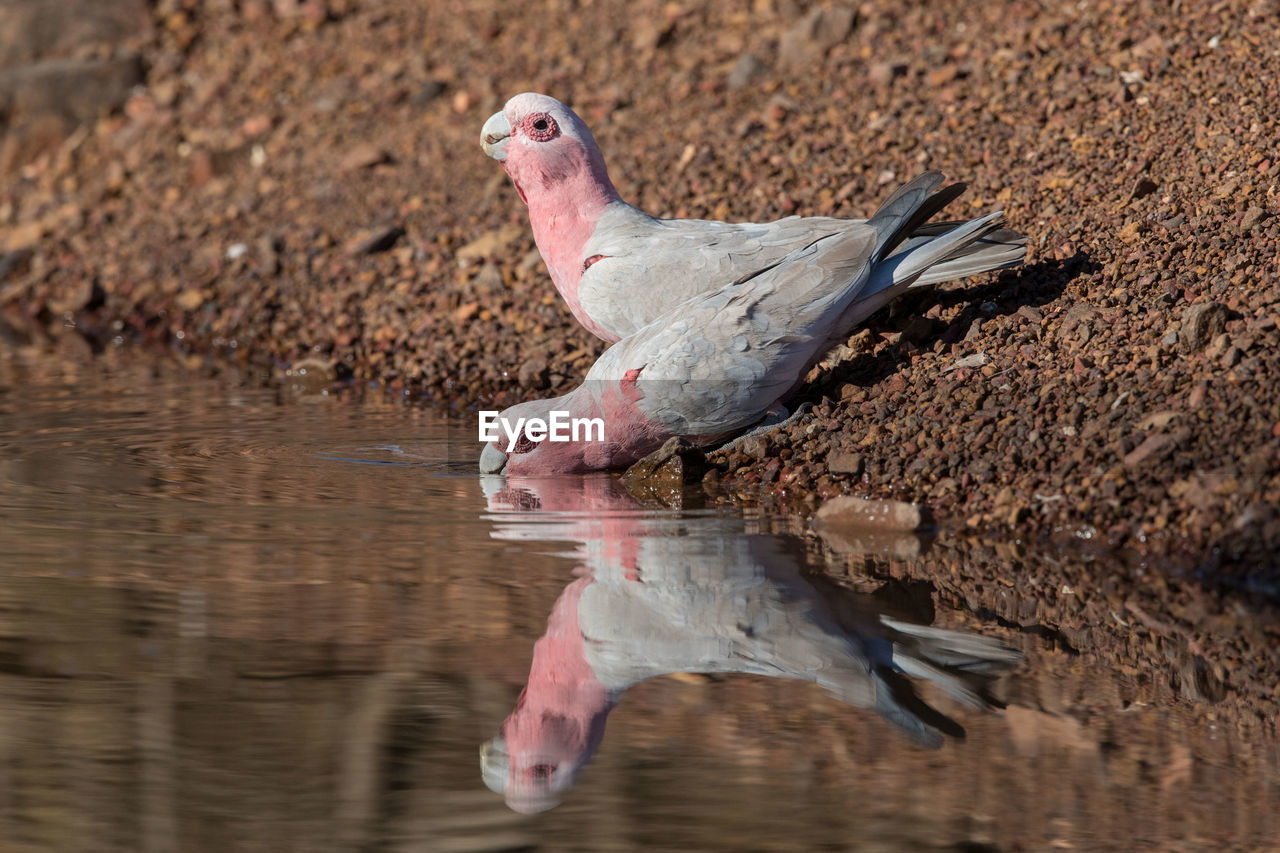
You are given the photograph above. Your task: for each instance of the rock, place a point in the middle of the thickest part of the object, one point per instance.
(666, 472)
(1252, 217)
(880, 515)
(374, 242)
(978, 359)
(1143, 188)
(27, 140)
(755, 446)
(427, 93)
(652, 34)
(81, 295)
(1200, 323)
(77, 90)
(1034, 732)
(534, 374)
(488, 244)
(32, 30)
(919, 329)
(1153, 445)
(24, 236)
(808, 41)
(311, 375)
(364, 156)
(1218, 346)
(865, 541)
(1158, 420)
(844, 462)
(748, 70)
(190, 300)
(489, 279)
(15, 263)
(881, 74)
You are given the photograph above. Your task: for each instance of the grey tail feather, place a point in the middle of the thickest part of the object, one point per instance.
(927, 210)
(997, 250)
(902, 208)
(953, 660)
(910, 266)
(947, 658)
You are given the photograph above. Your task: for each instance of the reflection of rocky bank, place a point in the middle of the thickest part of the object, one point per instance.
(709, 599)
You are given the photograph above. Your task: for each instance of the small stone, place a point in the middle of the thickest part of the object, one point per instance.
(664, 474)
(844, 462)
(378, 241)
(190, 300)
(427, 93)
(1252, 217)
(808, 41)
(882, 515)
(24, 236)
(978, 359)
(534, 375)
(16, 263)
(755, 446)
(364, 156)
(1154, 445)
(488, 280)
(488, 244)
(919, 330)
(1218, 347)
(1143, 188)
(1200, 323)
(748, 70)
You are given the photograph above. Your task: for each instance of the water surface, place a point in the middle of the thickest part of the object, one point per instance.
(245, 618)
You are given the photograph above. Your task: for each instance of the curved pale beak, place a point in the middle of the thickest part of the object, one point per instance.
(492, 460)
(494, 136)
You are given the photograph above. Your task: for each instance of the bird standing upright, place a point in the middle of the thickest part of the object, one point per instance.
(619, 268)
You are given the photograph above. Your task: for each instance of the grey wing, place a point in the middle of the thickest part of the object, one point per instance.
(644, 266)
(716, 362)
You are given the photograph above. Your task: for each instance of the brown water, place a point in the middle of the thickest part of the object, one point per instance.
(235, 618)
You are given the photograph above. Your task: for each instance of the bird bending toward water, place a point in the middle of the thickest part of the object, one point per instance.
(717, 363)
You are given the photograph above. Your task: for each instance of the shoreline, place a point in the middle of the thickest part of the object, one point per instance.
(310, 194)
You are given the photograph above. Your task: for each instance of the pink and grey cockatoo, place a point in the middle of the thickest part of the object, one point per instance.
(708, 599)
(714, 365)
(618, 268)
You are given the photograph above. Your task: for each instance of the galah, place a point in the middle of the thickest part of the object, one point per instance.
(709, 600)
(716, 364)
(619, 268)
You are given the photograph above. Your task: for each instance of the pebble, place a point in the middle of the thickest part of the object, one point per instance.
(878, 514)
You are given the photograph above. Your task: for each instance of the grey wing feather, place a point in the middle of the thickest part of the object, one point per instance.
(649, 265)
(716, 362)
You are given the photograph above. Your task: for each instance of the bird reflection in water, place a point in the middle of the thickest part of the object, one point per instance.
(661, 594)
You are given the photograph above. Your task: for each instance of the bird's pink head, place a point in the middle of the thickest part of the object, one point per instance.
(547, 149)
(538, 438)
(558, 721)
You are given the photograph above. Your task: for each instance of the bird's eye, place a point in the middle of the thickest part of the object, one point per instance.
(542, 771)
(540, 127)
(524, 444)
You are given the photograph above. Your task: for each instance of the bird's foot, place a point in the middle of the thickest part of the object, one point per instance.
(775, 418)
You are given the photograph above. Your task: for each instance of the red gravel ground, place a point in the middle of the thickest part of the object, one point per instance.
(299, 183)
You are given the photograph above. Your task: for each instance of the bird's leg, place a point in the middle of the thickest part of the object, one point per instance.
(774, 418)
